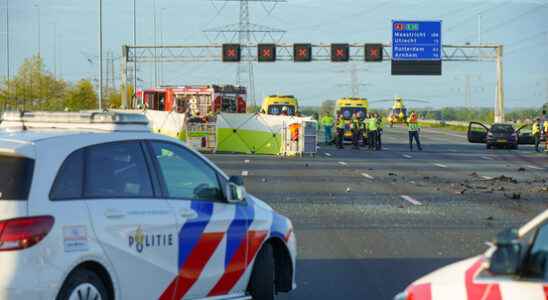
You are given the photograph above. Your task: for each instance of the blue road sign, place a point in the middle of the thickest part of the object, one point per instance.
(416, 40)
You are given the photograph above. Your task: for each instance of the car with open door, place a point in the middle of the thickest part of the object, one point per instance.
(514, 267)
(499, 135)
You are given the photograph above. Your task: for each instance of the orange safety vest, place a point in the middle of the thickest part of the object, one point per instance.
(294, 131)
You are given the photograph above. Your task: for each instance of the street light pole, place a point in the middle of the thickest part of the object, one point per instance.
(100, 54)
(134, 52)
(39, 28)
(7, 52)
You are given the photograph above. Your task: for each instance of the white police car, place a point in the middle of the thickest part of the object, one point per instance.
(94, 206)
(515, 268)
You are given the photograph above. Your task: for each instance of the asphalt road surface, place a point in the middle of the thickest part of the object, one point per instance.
(370, 223)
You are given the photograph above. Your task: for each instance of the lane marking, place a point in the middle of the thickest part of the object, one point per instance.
(246, 161)
(410, 200)
(407, 156)
(327, 154)
(368, 176)
(440, 165)
(534, 167)
(342, 163)
(486, 177)
(245, 173)
(384, 148)
(487, 157)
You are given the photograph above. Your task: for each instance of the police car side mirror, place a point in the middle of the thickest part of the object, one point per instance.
(506, 259)
(235, 190)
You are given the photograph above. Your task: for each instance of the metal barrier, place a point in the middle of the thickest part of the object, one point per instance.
(202, 136)
(299, 138)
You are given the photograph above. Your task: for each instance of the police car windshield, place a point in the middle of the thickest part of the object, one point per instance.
(15, 177)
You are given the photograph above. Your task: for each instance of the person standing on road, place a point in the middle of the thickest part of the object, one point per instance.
(535, 131)
(327, 123)
(545, 129)
(413, 127)
(372, 132)
(340, 131)
(355, 126)
(380, 126)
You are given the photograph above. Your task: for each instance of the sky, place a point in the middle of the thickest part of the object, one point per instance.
(69, 33)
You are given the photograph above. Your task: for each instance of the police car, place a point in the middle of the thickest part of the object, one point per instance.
(95, 206)
(514, 268)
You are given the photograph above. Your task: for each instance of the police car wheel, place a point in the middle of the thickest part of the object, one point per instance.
(83, 285)
(261, 284)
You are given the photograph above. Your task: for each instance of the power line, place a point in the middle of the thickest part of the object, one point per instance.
(519, 17)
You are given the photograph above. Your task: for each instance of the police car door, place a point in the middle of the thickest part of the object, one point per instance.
(211, 232)
(135, 229)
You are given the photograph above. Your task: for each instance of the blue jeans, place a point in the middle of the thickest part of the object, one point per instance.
(414, 135)
(327, 134)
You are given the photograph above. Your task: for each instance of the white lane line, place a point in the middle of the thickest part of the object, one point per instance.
(384, 148)
(327, 154)
(342, 163)
(487, 157)
(486, 177)
(368, 176)
(407, 156)
(410, 199)
(246, 161)
(245, 173)
(534, 167)
(440, 165)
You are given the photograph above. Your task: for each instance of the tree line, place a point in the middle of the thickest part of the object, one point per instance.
(34, 88)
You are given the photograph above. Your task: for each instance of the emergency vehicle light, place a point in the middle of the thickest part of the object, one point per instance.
(105, 121)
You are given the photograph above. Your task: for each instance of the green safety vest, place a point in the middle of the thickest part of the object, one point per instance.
(355, 123)
(536, 128)
(340, 123)
(413, 127)
(327, 121)
(372, 124)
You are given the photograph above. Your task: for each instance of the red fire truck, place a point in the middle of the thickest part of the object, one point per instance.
(197, 100)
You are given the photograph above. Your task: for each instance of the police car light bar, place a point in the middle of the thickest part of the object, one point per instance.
(88, 120)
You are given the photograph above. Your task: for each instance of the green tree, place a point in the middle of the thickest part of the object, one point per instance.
(33, 88)
(82, 96)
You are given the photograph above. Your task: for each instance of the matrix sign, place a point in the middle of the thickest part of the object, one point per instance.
(416, 48)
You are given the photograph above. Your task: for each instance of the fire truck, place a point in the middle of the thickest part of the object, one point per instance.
(196, 100)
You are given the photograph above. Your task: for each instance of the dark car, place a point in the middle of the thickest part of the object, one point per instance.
(499, 135)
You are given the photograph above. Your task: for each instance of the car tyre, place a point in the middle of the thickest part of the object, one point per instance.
(261, 284)
(488, 146)
(87, 282)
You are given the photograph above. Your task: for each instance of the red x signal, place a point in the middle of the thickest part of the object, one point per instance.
(302, 52)
(266, 52)
(373, 52)
(231, 52)
(340, 52)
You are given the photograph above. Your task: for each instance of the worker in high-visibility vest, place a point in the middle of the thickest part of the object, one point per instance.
(340, 131)
(356, 130)
(535, 131)
(414, 129)
(327, 123)
(380, 126)
(545, 135)
(372, 132)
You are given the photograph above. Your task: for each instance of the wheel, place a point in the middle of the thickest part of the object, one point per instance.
(83, 284)
(515, 147)
(488, 146)
(261, 284)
